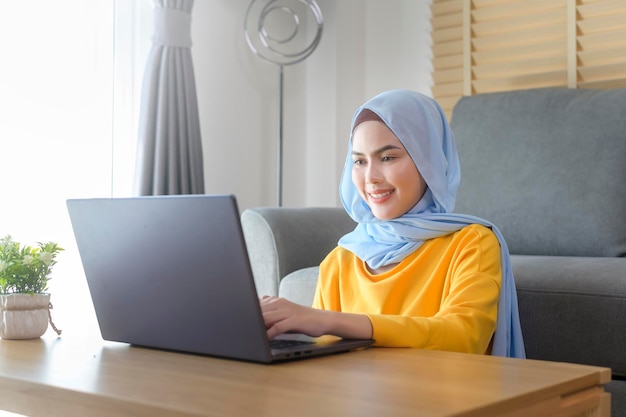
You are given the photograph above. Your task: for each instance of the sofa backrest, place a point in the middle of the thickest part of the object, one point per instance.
(547, 167)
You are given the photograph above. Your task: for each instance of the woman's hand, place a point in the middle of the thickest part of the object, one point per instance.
(282, 316)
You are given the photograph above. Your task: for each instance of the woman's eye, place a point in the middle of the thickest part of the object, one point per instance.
(358, 162)
(387, 158)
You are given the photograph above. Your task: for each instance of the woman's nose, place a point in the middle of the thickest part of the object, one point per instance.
(373, 174)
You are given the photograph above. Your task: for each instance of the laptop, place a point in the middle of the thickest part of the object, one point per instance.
(172, 272)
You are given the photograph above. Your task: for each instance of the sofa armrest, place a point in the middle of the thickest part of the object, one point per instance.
(282, 240)
(573, 309)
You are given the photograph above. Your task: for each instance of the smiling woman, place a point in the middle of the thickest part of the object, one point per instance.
(66, 119)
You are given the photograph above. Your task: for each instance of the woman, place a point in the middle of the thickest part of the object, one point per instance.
(412, 273)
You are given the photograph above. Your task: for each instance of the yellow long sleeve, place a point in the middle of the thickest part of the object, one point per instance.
(443, 296)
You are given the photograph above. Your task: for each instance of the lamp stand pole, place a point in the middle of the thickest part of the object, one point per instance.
(279, 158)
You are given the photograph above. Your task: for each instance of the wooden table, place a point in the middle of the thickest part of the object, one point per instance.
(65, 377)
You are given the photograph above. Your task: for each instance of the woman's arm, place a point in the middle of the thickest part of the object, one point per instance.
(282, 316)
(465, 322)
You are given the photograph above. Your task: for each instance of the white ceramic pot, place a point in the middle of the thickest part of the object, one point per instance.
(23, 316)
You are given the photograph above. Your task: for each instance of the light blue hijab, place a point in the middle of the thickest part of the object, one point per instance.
(420, 124)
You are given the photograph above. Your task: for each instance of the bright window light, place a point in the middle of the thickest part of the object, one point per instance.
(69, 89)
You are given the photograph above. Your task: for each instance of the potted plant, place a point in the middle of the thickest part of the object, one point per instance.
(24, 301)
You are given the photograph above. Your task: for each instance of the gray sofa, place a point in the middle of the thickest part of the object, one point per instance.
(548, 167)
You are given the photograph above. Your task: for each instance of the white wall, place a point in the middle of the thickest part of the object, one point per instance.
(367, 46)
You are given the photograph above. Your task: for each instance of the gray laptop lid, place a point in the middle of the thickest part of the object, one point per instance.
(172, 272)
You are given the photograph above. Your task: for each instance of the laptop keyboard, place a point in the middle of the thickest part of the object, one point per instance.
(282, 344)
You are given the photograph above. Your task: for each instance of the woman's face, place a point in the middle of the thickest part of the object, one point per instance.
(383, 171)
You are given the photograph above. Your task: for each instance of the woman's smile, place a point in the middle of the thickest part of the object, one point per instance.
(379, 197)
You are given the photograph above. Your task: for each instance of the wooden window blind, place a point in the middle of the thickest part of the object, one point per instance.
(482, 46)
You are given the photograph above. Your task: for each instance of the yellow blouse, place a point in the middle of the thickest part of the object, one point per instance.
(444, 296)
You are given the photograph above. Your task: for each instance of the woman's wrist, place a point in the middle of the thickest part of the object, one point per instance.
(348, 325)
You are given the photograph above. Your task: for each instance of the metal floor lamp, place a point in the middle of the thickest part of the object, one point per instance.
(283, 32)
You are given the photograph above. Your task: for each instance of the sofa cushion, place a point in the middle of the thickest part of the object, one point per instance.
(573, 309)
(547, 166)
(299, 286)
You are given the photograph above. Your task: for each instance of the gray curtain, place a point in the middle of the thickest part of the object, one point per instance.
(169, 149)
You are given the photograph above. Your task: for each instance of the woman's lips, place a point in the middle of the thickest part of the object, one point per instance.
(379, 197)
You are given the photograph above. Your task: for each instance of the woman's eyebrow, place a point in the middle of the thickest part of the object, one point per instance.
(379, 150)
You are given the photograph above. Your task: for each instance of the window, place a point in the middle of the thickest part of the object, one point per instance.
(70, 80)
(483, 46)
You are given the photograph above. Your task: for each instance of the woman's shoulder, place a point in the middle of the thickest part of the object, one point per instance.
(338, 259)
(479, 229)
(477, 234)
(340, 252)
(470, 235)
